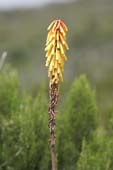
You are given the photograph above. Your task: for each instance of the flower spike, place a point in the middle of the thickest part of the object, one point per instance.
(55, 50)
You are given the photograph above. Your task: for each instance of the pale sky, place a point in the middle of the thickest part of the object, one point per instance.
(8, 4)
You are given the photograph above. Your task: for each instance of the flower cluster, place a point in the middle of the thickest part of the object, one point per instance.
(55, 50)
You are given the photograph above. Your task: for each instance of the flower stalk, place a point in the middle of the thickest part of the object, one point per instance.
(55, 58)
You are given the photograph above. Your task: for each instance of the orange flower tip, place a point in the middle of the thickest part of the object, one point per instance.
(56, 24)
(64, 26)
(62, 31)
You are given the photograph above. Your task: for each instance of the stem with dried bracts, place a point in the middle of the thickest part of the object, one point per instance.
(52, 106)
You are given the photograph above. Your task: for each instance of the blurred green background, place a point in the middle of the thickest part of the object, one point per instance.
(23, 34)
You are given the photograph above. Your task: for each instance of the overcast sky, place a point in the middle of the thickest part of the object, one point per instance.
(6, 4)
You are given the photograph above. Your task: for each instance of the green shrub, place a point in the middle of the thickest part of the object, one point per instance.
(78, 121)
(8, 91)
(24, 134)
(33, 134)
(9, 103)
(98, 155)
(108, 122)
(23, 127)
